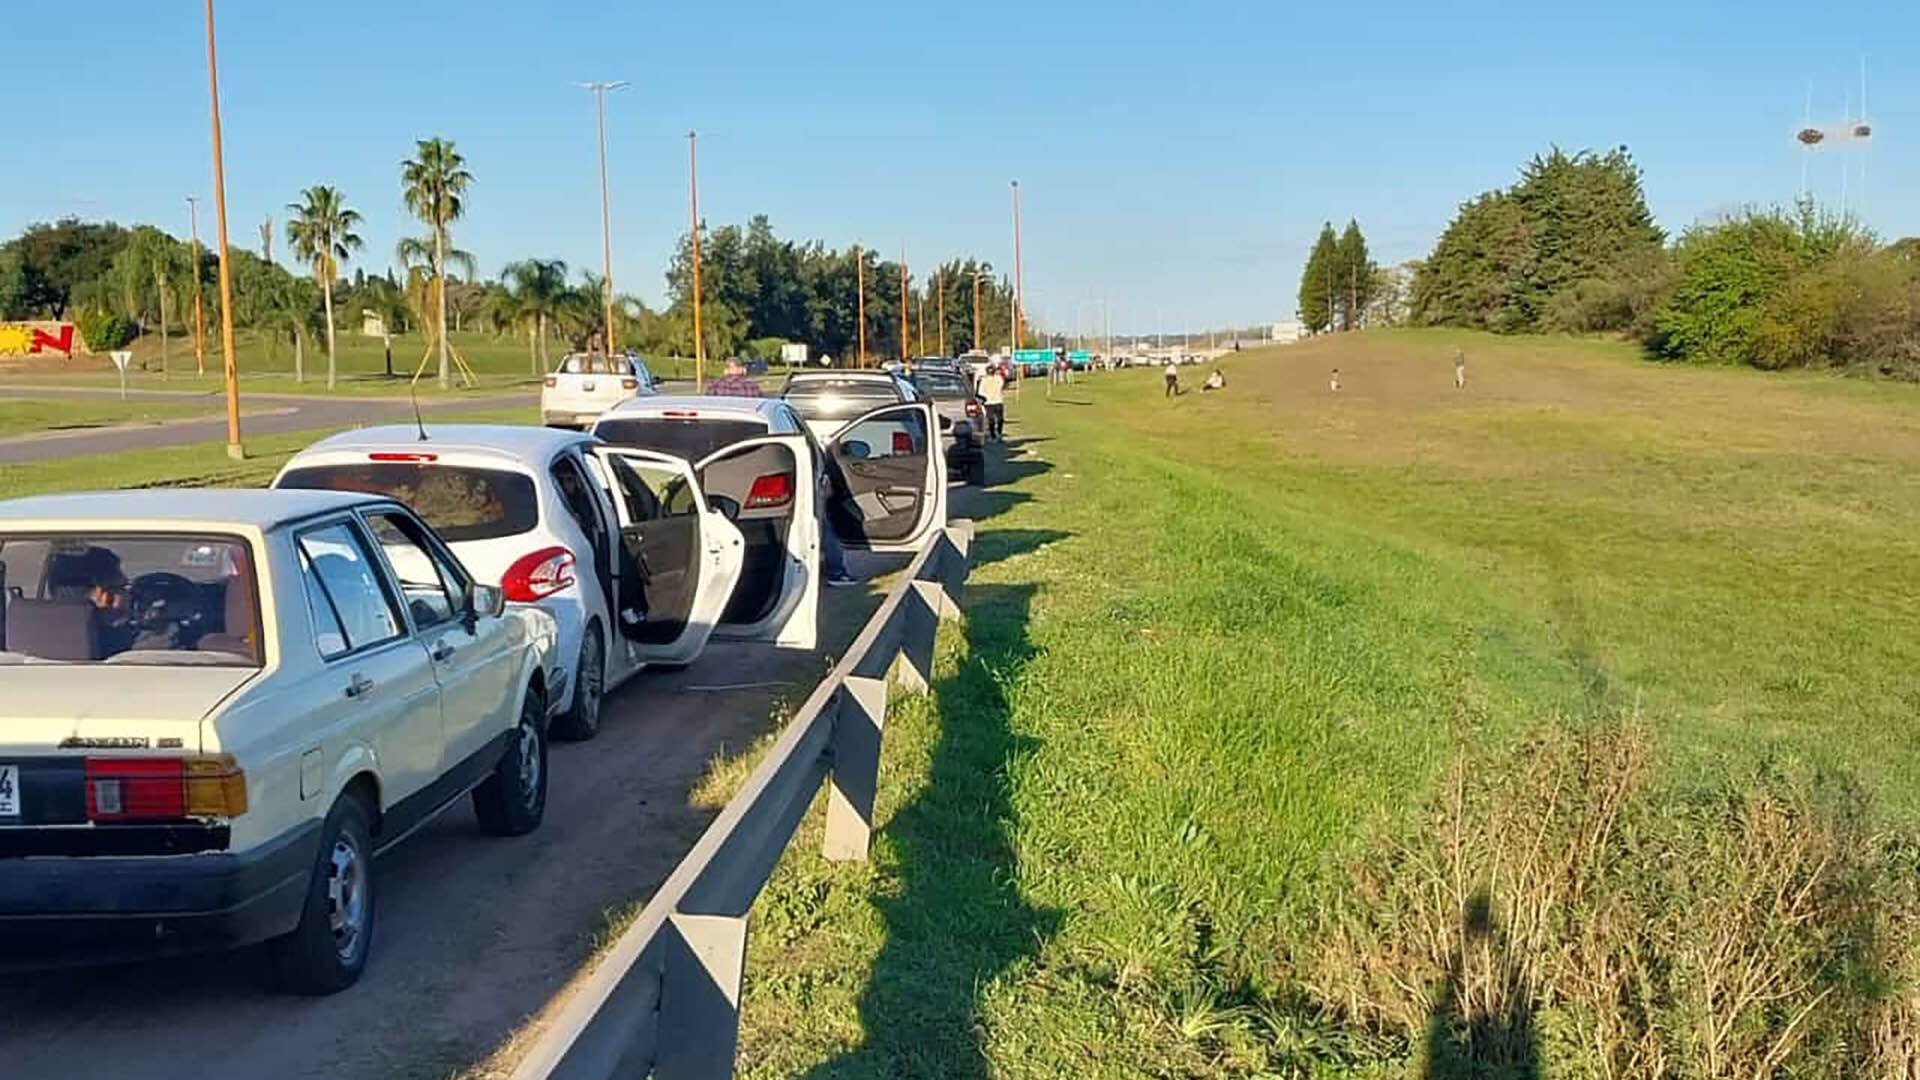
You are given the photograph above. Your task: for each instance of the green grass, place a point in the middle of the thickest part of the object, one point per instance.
(193, 465)
(24, 416)
(1214, 642)
(499, 362)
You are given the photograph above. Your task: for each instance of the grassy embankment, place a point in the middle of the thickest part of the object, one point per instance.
(24, 416)
(1181, 805)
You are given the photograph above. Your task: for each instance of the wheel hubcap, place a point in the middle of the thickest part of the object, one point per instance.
(346, 896)
(529, 765)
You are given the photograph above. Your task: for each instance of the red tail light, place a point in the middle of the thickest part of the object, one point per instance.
(902, 443)
(538, 575)
(973, 407)
(165, 788)
(774, 489)
(629, 384)
(551, 381)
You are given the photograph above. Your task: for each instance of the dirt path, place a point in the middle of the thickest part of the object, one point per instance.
(474, 933)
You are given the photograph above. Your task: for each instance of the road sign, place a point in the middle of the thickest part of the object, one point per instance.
(120, 359)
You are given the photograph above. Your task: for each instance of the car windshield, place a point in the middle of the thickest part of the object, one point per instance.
(941, 384)
(128, 598)
(837, 399)
(460, 502)
(692, 438)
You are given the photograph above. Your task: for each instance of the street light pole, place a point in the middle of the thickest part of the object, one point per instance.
(976, 312)
(599, 90)
(939, 289)
(1019, 279)
(199, 309)
(860, 300)
(906, 350)
(234, 448)
(693, 189)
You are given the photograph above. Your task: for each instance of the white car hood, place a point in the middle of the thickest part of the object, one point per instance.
(43, 706)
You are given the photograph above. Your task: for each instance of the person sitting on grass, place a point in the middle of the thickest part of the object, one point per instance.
(735, 383)
(1215, 381)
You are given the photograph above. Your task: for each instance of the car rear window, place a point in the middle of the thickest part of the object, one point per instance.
(689, 437)
(837, 399)
(460, 502)
(128, 598)
(941, 384)
(595, 365)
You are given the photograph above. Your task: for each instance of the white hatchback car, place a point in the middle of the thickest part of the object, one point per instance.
(587, 384)
(535, 510)
(221, 705)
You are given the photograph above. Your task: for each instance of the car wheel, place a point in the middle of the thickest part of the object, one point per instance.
(582, 721)
(327, 951)
(513, 800)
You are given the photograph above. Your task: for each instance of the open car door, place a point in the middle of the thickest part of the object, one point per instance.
(679, 557)
(769, 488)
(888, 474)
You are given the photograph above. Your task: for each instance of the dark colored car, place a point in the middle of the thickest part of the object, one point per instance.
(962, 418)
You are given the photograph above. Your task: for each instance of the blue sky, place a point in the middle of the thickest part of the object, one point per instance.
(1175, 160)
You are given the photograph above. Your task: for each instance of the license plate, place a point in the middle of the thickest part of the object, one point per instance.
(588, 385)
(9, 791)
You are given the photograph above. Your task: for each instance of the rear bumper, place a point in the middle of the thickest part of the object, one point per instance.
(569, 418)
(65, 911)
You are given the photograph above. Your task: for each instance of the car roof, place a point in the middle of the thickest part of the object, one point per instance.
(518, 442)
(842, 373)
(261, 508)
(708, 406)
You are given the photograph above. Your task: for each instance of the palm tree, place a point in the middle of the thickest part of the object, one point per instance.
(539, 293)
(321, 232)
(433, 181)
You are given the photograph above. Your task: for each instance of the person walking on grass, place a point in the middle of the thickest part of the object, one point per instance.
(735, 383)
(993, 391)
(1459, 369)
(1172, 373)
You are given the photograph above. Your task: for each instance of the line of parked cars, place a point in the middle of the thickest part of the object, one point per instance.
(219, 706)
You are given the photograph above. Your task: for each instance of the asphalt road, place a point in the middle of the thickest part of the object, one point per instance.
(267, 414)
(474, 933)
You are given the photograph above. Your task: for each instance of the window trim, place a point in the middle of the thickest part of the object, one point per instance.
(357, 530)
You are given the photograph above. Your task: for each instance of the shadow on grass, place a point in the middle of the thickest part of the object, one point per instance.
(992, 547)
(1465, 1039)
(982, 504)
(957, 920)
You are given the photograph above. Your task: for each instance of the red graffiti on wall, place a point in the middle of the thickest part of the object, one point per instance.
(42, 339)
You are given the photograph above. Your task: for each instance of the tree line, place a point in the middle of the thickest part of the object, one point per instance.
(1571, 247)
(758, 290)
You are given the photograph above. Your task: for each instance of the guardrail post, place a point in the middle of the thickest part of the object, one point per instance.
(858, 717)
(706, 957)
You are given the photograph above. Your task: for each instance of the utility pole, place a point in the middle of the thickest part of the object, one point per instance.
(234, 448)
(1019, 279)
(939, 290)
(199, 309)
(860, 299)
(976, 311)
(693, 193)
(599, 90)
(905, 344)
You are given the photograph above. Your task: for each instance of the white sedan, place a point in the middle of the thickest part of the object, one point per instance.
(221, 705)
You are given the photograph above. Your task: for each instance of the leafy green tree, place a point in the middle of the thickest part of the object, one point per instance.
(434, 182)
(535, 295)
(320, 230)
(15, 287)
(63, 257)
(1318, 281)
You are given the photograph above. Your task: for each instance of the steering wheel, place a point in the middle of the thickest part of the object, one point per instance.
(160, 601)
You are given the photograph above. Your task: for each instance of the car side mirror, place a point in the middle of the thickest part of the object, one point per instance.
(856, 449)
(486, 601)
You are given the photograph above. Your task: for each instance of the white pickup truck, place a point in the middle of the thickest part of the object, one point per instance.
(216, 707)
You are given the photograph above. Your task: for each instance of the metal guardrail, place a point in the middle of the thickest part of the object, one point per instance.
(664, 999)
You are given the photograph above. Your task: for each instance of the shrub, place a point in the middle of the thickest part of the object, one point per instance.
(103, 331)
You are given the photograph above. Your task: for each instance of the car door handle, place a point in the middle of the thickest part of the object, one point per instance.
(360, 686)
(442, 651)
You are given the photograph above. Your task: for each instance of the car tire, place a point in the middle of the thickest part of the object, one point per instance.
(328, 950)
(512, 801)
(582, 721)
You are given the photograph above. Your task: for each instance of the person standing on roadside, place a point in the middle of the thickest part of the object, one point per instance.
(1172, 373)
(1459, 369)
(993, 391)
(1333, 381)
(735, 383)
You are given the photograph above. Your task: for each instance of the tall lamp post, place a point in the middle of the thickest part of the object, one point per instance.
(599, 90)
(199, 308)
(860, 301)
(234, 448)
(1019, 279)
(906, 345)
(693, 194)
(976, 311)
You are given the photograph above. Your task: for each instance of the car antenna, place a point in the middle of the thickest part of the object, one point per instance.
(413, 396)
